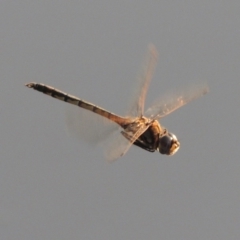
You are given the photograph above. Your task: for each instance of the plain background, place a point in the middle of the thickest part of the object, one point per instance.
(54, 187)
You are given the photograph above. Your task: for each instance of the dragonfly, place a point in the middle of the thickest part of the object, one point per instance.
(139, 128)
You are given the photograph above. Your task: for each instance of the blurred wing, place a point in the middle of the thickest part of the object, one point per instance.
(121, 144)
(174, 101)
(116, 146)
(88, 126)
(96, 130)
(137, 108)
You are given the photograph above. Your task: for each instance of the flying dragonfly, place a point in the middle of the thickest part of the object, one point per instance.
(138, 128)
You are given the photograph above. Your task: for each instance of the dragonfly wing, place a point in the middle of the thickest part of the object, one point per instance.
(121, 144)
(96, 130)
(88, 126)
(172, 102)
(116, 146)
(137, 108)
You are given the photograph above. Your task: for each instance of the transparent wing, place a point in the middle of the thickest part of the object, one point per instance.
(137, 108)
(121, 144)
(96, 130)
(173, 101)
(88, 126)
(116, 146)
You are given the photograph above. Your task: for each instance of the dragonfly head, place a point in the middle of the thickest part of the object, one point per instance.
(168, 144)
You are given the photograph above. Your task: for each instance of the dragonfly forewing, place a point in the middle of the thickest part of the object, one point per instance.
(144, 79)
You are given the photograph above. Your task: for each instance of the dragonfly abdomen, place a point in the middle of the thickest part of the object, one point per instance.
(55, 93)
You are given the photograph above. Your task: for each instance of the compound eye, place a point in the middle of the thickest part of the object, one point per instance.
(165, 144)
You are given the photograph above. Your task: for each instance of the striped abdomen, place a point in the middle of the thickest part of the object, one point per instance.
(55, 93)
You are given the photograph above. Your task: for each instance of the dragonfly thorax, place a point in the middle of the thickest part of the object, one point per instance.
(168, 144)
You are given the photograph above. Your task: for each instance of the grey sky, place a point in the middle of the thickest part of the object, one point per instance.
(52, 187)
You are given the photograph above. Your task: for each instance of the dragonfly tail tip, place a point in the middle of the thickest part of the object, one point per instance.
(30, 85)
